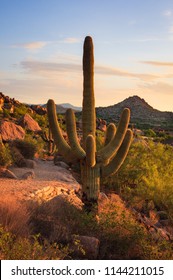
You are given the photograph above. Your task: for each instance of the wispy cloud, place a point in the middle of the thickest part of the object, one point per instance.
(158, 63)
(31, 45)
(38, 66)
(167, 13)
(71, 40)
(118, 72)
(47, 67)
(160, 87)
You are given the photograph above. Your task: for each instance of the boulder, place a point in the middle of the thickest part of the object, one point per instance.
(27, 122)
(101, 124)
(39, 109)
(5, 173)
(10, 131)
(85, 247)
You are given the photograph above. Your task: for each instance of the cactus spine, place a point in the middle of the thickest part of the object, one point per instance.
(94, 165)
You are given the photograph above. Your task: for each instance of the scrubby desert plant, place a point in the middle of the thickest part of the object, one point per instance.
(5, 155)
(26, 148)
(14, 215)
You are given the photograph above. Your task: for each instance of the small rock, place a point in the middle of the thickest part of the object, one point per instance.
(30, 163)
(102, 197)
(163, 234)
(28, 175)
(62, 164)
(162, 215)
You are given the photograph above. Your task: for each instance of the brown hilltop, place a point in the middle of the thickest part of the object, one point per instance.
(142, 114)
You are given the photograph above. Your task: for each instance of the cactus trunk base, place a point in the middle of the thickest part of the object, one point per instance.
(90, 183)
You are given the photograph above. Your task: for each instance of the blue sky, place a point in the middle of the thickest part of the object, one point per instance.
(42, 43)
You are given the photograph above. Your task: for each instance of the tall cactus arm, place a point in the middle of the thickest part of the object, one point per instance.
(60, 142)
(110, 150)
(110, 133)
(72, 135)
(119, 158)
(88, 112)
(90, 151)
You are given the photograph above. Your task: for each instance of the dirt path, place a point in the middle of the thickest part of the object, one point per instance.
(46, 174)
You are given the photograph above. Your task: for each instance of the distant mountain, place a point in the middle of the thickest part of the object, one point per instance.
(142, 114)
(68, 105)
(62, 108)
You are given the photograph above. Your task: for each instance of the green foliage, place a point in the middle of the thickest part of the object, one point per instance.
(5, 155)
(29, 248)
(99, 140)
(42, 120)
(26, 148)
(6, 113)
(20, 110)
(150, 133)
(147, 174)
(124, 238)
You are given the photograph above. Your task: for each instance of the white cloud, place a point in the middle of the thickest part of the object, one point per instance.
(160, 87)
(46, 68)
(158, 63)
(71, 40)
(32, 45)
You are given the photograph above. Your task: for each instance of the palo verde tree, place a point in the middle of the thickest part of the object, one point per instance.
(94, 164)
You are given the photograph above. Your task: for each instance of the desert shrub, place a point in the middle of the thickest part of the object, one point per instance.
(42, 120)
(14, 216)
(26, 148)
(20, 110)
(122, 237)
(17, 157)
(147, 174)
(5, 155)
(6, 113)
(37, 141)
(29, 248)
(99, 139)
(16, 239)
(150, 133)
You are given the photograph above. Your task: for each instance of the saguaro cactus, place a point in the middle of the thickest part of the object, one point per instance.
(47, 137)
(94, 164)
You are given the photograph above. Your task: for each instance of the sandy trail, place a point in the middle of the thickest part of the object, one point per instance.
(46, 174)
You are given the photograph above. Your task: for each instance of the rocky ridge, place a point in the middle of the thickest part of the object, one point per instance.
(142, 114)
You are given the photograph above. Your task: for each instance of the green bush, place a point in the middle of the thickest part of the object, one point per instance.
(147, 174)
(29, 248)
(5, 155)
(20, 111)
(26, 148)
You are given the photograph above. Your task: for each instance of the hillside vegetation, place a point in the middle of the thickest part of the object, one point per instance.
(143, 186)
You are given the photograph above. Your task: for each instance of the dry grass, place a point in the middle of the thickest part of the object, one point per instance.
(14, 216)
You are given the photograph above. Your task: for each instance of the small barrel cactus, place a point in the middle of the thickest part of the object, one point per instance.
(94, 164)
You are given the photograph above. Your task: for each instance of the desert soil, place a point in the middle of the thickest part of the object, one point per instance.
(46, 174)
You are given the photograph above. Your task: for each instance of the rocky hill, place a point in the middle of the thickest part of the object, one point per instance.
(142, 114)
